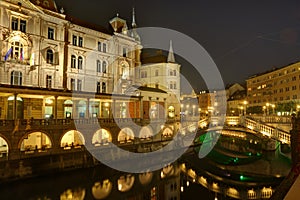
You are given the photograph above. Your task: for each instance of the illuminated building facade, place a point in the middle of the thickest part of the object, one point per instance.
(278, 85)
(42, 48)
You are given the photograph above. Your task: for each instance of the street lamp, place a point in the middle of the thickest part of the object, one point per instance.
(194, 110)
(264, 109)
(245, 104)
(273, 108)
(267, 104)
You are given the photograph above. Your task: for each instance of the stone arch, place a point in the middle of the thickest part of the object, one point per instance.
(167, 132)
(35, 140)
(4, 146)
(101, 137)
(72, 138)
(101, 190)
(146, 132)
(125, 135)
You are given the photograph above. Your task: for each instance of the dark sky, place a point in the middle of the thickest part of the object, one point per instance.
(244, 37)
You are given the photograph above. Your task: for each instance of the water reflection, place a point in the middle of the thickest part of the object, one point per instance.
(254, 175)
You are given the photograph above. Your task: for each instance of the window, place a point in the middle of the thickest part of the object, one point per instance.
(17, 49)
(72, 84)
(287, 89)
(16, 78)
(143, 74)
(80, 61)
(156, 72)
(124, 52)
(104, 48)
(46, 3)
(99, 46)
(294, 96)
(50, 33)
(294, 87)
(104, 67)
(73, 61)
(80, 41)
(74, 40)
(14, 23)
(103, 87)
(98, 89)
(79, 85)
(98, 66)
(49, 56)
(23, 26)
(48, 81)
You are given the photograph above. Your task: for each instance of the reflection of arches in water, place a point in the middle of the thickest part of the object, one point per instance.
(35, 141)
(145, 132)
(145, 178)
(3, 147)
(125, 135)
(167, 132)
(101, 137)
(101, 190)
(125, 183)
(77, 194)
(72, 138)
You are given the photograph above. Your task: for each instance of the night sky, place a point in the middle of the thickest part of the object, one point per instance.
(243, 37)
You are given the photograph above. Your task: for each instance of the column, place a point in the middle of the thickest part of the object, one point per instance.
(87, 112)
(113, 112)
(55, 107)
(15, 107)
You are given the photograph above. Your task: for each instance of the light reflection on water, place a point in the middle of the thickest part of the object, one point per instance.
(180, 180)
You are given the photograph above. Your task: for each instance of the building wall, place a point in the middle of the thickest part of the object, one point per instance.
(276, 86)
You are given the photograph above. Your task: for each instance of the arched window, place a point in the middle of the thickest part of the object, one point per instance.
(73, 61)
(104, 66)
(18, 51)
(80, 61)
(49, 56)
(98, 66)
(16, 78)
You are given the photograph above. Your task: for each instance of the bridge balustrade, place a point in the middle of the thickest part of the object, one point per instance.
(275, 133)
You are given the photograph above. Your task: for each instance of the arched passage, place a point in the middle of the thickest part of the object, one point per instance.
(145, 133)
(72, 138)
(167, 132)
(35, 141)
(126, 135)
(3, 147)
(101, 137)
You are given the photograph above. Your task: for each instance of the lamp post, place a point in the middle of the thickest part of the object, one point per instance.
(267, 105)
(194, 110)
(245, 109)
(273, 108)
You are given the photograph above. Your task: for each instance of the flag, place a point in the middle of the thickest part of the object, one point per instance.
(31, 62)
(7, 54)
(21, 55)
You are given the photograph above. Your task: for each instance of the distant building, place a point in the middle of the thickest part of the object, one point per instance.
(162, 73)
(279, 85)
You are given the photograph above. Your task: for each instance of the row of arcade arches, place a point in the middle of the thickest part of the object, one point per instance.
(40, 141)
